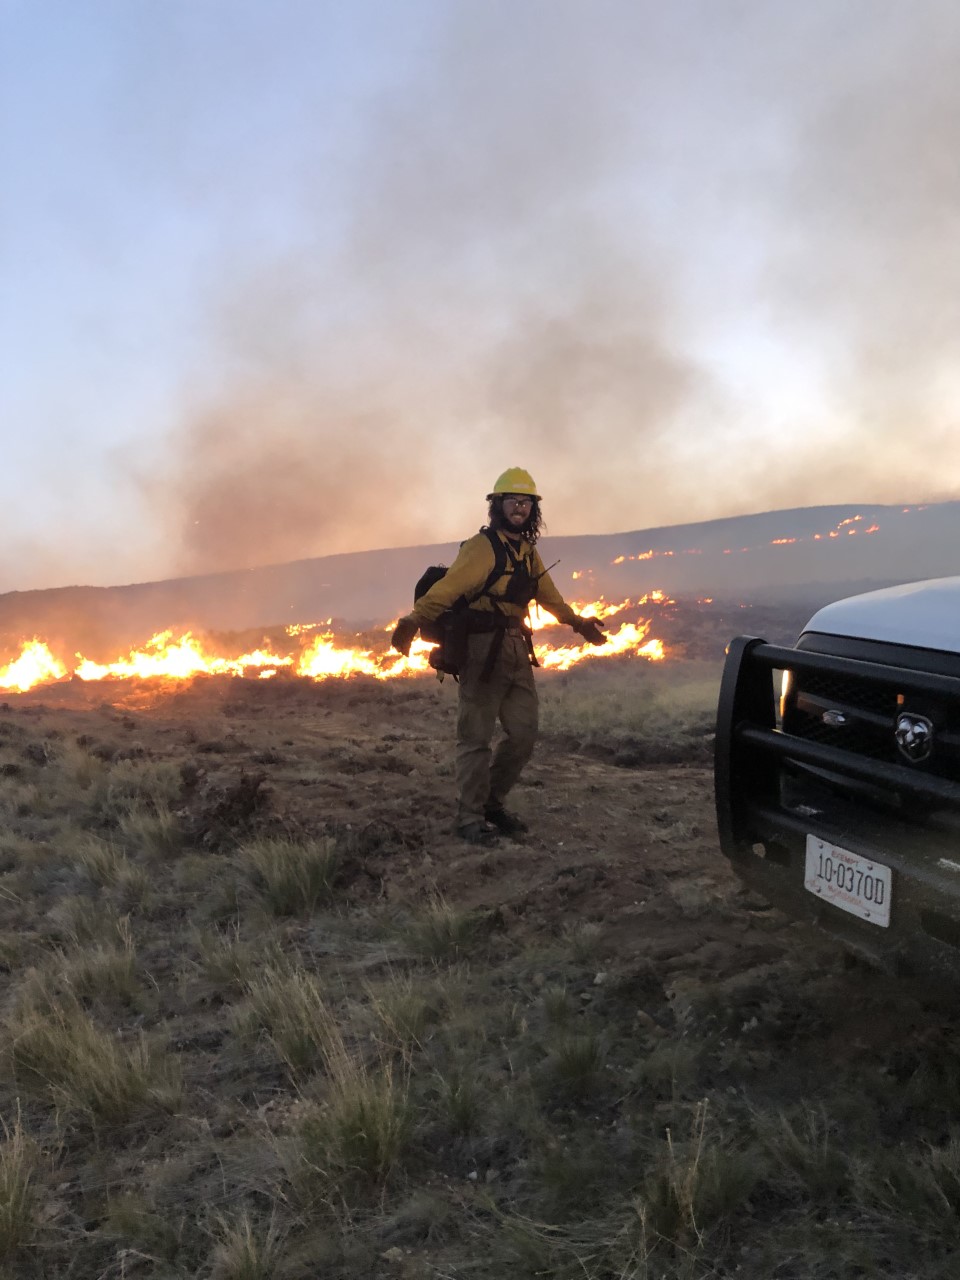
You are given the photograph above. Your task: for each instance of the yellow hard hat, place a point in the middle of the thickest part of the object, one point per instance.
(515, 480)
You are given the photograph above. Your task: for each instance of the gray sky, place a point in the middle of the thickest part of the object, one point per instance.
(285, 279)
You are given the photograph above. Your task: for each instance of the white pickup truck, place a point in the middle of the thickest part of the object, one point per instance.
(838, 772)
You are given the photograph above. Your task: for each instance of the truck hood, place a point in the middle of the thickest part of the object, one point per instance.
(925, 615)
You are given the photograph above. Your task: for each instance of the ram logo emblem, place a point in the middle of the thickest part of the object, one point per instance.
(914, 735)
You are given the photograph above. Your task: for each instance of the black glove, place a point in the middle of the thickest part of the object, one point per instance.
(403, 635)
(590, 629)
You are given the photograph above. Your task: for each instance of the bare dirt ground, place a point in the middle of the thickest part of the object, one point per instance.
(750, 1102)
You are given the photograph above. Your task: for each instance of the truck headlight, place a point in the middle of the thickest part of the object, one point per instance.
(786, 684)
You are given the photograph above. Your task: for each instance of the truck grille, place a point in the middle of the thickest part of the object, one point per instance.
(870, 713)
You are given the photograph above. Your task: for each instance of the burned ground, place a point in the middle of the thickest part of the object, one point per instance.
(265, 1016)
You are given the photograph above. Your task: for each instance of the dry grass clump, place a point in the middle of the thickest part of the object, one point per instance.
(635, 708)
(19, 1196)
(231, 961)
(405, 1007)
(443, 933)
(287, 1005)
(80, 919)
(245, 1250)
(291, 876)
(80, 769)
(129, 785)
(569, 1073)
(356, 1136)
(56, 1050)
(155, 831)
(103, 971)
(354, 1128)
(108, 865)
(141, 1232)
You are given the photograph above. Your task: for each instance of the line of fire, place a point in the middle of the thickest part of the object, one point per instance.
(319, 653)
(327, 650)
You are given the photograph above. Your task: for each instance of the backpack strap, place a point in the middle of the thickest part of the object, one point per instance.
(500, 553)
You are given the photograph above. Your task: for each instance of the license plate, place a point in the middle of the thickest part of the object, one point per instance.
(848, 881)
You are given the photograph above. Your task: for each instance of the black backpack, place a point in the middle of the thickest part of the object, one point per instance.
(448, 632)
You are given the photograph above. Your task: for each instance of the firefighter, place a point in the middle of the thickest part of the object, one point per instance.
(496, 667)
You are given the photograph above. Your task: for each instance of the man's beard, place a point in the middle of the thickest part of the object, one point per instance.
(518, 530)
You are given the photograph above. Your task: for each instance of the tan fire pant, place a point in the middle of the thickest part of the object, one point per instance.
(483, 776)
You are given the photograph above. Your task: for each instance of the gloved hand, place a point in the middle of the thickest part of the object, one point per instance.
(404, 633)
(590, 629)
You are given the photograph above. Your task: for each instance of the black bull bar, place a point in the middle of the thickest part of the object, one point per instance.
(750, 747)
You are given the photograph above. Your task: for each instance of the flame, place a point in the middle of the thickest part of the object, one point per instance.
(842, 527)
(177, 659)
(630, 638)
(599, 609)
(36, 665)
(324, 660)
(299, 628)
(323, 656)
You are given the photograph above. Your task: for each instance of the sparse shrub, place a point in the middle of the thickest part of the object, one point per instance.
(809, 1154)
(671, 1067)
(696, 1186)
(291, 876)
(693, 900)
(570, 1071)
(129, 1218)
(107, 865)
(232, 962)
(558, 1005)
(131, 784)
(354, 1135)
(288, 1005)
(57, 1049)
(15, 947)
(217, 812)
(242, 1251)
(25, 800)
(154, 831)
(79, 767)
(583, 941)
(404, 1010)
(921, 1185)
(461, 1101)
(104, 971)
(574, 1176)
(81, 919)
(18, 1200)
(441, 932)
(360, 1132)
(424, 1216)
(633, 711)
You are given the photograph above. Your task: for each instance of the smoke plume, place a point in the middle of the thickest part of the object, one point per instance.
(545, 228)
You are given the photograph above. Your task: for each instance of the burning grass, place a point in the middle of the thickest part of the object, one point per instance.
(333, 1041)
(303, 650)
